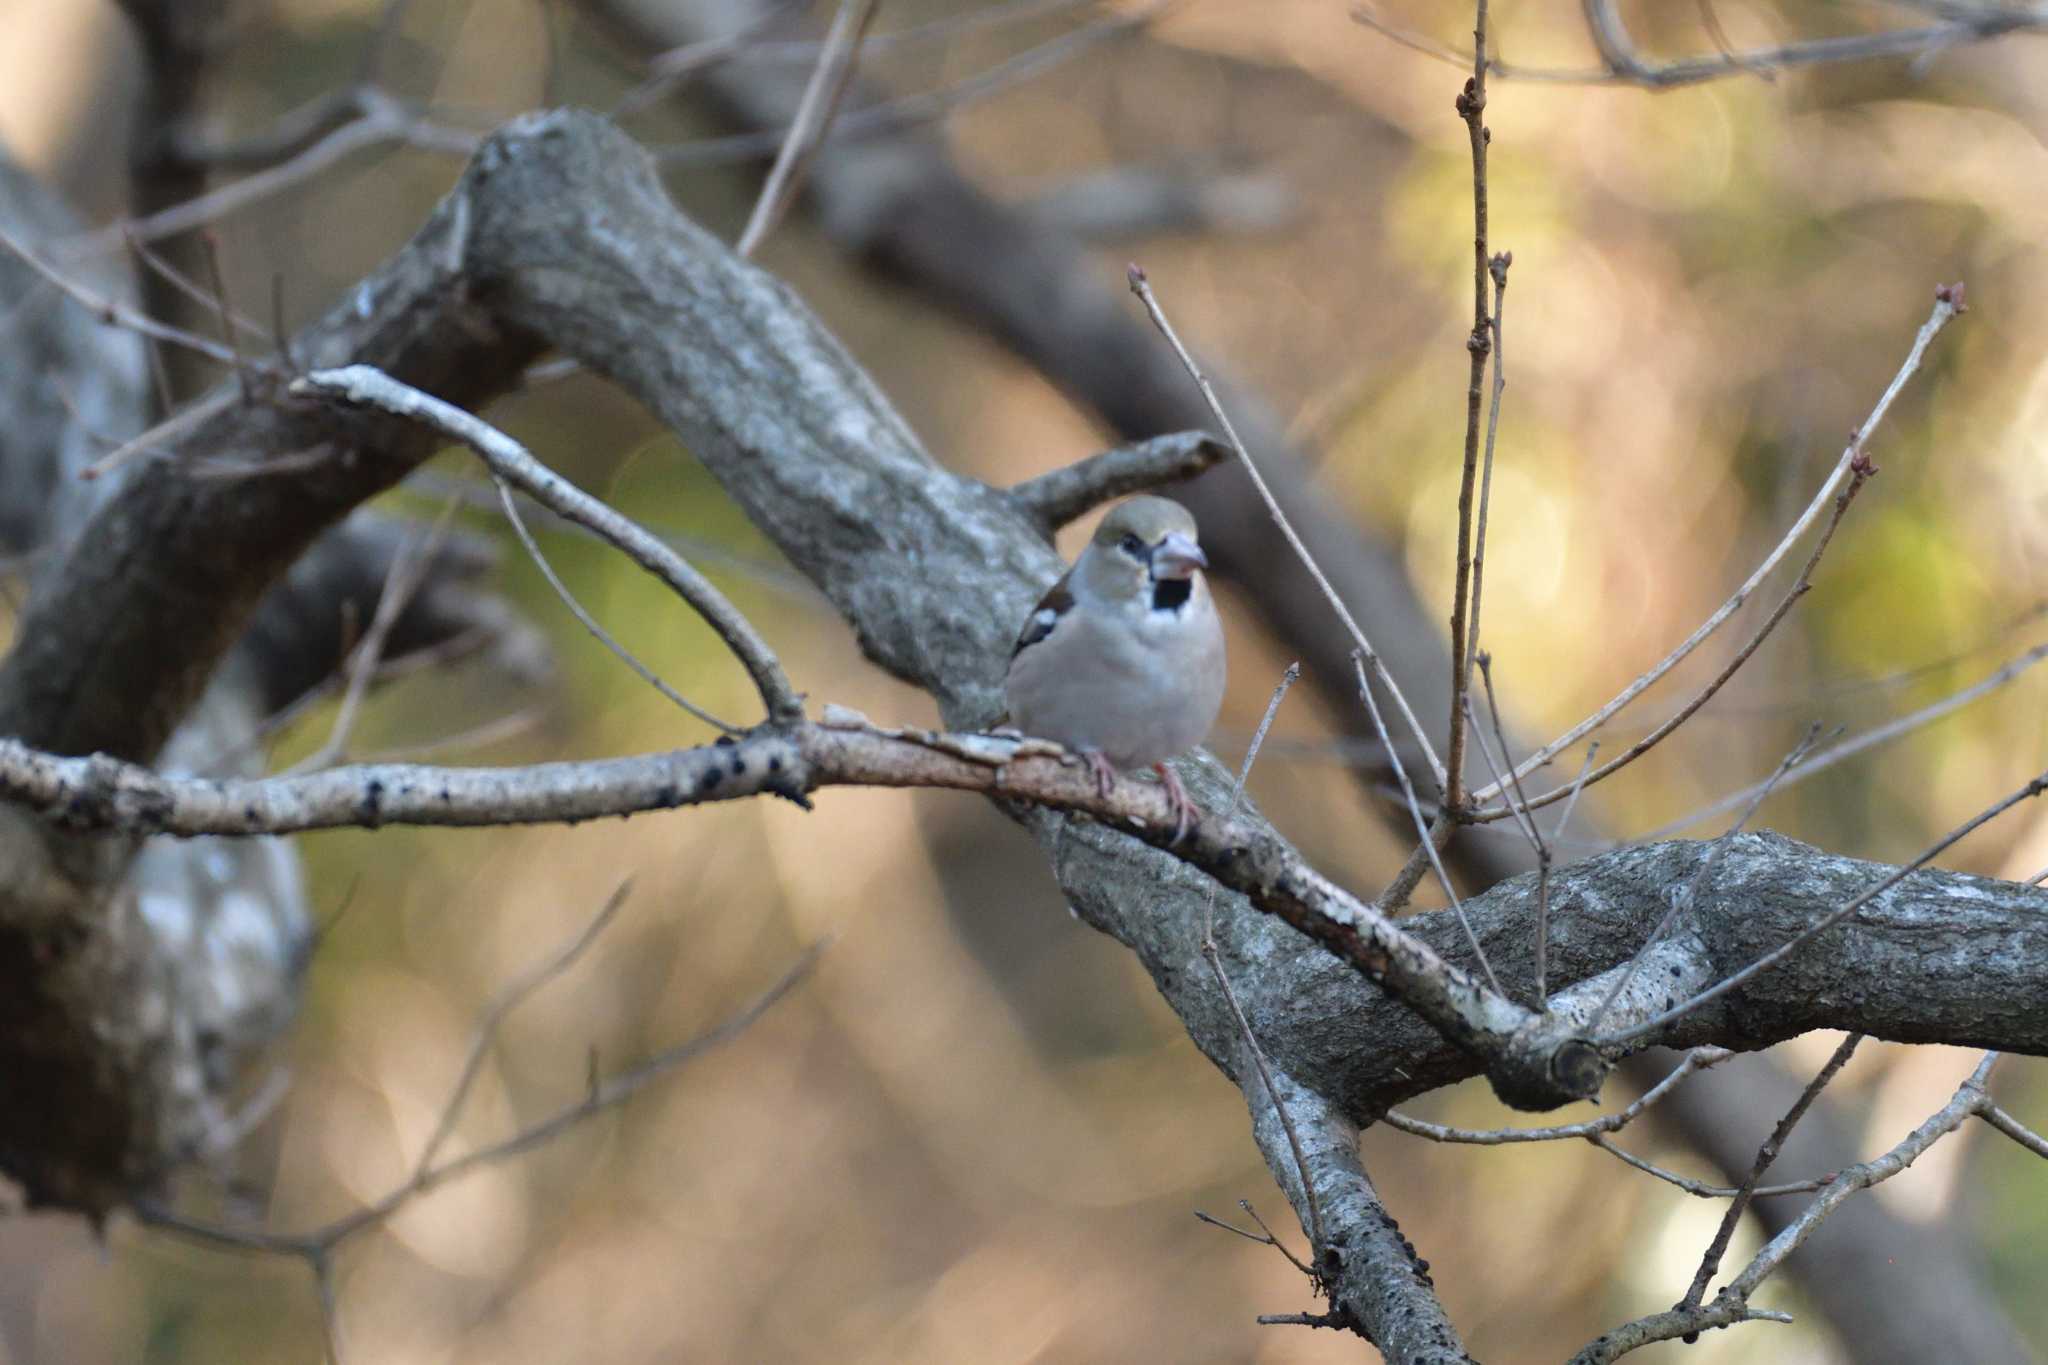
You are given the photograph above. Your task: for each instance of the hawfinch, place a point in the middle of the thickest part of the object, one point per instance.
(1122, 661)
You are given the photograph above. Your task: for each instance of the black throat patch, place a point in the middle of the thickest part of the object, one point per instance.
(1171, 594)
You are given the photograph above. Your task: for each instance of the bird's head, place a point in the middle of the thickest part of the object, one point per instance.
(1147, 546)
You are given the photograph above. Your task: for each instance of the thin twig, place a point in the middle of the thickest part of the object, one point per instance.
(209, 240)
(509, 997)
(1142, 287)
(837, 61)
(1395, 898)
(160, 265)
(1981, 25)
(111, 313)
(507, 459)
(1861, 471)
(1497, 267)
(1537, 842)
(1765, 1155)
(2014, 1129)
(1214, 958)
(1848, 748)
(590, 622)
(1471, 105)
(606, 1093)
(1948, 303)
(1422, 827)
(407, 572)
(1264, 1236)
(1731, 1305)
(926, 106)
(1700, 1189)
(384, 119)
(1698, 1059)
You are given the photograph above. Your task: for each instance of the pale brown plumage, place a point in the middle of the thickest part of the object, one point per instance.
(1122, 660)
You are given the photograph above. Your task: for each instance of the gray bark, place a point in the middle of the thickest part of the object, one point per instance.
(898, 202)
(559, 230)
(135, 976)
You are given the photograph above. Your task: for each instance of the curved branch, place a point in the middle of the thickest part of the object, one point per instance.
(1052, 500)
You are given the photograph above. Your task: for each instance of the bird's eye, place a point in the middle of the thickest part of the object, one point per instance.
(1132, 546)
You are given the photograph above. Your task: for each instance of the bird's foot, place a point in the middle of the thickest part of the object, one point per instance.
(1102, 769)
(1178, 801)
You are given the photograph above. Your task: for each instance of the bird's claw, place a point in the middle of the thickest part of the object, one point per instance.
(1103, 770)
(1178, 801)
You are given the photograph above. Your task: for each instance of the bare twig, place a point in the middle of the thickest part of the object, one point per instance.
(837, 61)
(1731, 1305)
(1142, 287)
(2014, 1129)
(589, 622)
(1471, 106)
(924, 107)
(1618, 52)
(1497, 267)
(1765, 1155)
(1537, 843)
(210, 242)
(408, 571)
(605, 1093)
(1698, 1059)
(110, 312)
(382, 119)
(1700, 1189)
(1264, 1236)
(1823, 759)
(364, 385)
(509, 997)
(1214, 958)
(1948, 303)
(1395, 898)
(161, 265)
(1422, 827)
(746, 44)
(1800, 586)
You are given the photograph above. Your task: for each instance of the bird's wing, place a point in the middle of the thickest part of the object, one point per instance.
(1058, 600)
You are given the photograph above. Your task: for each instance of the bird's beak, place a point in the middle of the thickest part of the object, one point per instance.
(1178, 556)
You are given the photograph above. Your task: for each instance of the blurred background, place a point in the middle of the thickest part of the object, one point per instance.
(975, 1133)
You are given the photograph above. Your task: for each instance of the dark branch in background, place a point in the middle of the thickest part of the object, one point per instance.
(1621, 64)
(317, 1247)
(122, 1030)
(707, 414)
(901, 205)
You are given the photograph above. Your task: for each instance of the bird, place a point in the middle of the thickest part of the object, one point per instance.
(1122, 660)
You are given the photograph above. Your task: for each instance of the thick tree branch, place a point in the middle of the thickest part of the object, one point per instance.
(1942, 957)
(560, 231)
(903, 205)
(1052, 500)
